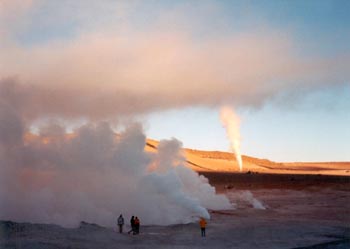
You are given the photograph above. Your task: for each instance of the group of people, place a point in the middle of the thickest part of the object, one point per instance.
(135, 225)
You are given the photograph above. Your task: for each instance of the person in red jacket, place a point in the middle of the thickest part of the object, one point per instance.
(202, 224)
(137, 225)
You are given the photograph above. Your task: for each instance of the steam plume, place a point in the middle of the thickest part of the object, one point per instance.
(93, 175)
(231, 122)
(244, 197)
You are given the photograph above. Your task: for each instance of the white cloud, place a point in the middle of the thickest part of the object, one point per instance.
(110, 71)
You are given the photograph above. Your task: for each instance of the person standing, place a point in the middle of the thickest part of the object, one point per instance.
(120, 223)
(202, 223)
(137, 225)
(132, 224)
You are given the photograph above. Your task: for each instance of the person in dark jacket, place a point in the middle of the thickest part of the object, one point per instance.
(132, 224)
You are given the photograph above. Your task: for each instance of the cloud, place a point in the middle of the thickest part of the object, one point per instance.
(12, 8)
(104, 75)
(12, 14)
(109, 71)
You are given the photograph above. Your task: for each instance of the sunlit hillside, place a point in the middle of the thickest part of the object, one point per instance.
(200, 160)
(225, 161)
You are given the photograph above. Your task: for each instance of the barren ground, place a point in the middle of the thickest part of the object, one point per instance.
(301, 212)
(217, 161)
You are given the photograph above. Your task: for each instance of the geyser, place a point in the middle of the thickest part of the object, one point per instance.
(231, 123)
(94, 176)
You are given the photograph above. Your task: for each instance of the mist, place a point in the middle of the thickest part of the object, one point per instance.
(94, 175)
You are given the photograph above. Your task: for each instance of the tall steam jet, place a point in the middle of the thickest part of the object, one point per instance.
(231, 122)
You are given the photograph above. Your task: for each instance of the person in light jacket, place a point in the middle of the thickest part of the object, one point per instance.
(121, 223)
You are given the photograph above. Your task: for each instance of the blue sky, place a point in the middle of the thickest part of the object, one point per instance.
(309, 127)
(313, 128)
(296, 108)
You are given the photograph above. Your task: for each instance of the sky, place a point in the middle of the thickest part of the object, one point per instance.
(283, 66)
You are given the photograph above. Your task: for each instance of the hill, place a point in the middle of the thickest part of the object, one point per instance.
(218, 161)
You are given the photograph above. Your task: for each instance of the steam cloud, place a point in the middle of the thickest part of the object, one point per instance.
(109, 67)
(231, 122)
(93, 175)
(244, 197)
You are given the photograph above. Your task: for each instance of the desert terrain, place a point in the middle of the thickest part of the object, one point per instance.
(275, 205)
(218, 161)
(313, 216)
